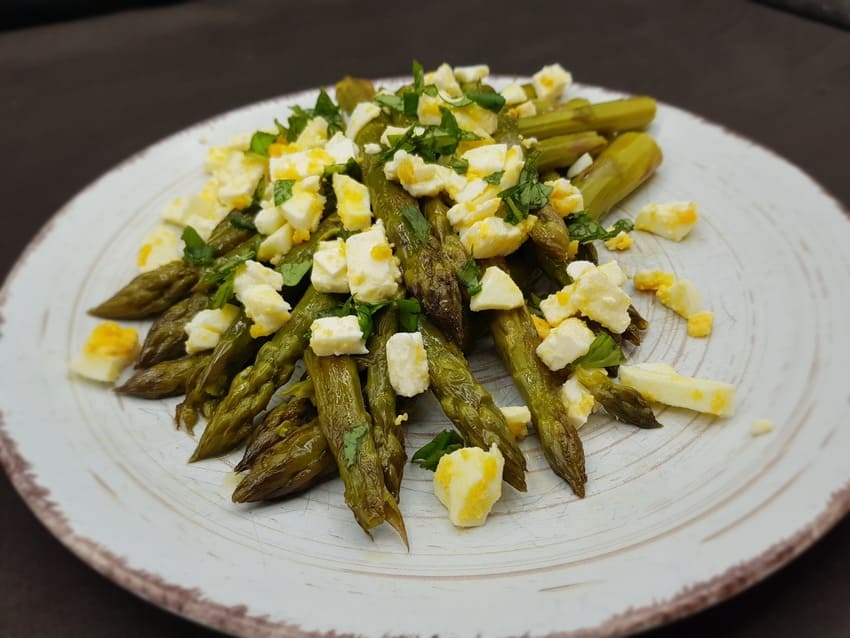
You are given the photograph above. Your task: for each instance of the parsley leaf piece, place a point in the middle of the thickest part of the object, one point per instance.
(294, 273)
(350, 168)
(417, 222)
(410, 102)
(528, 195)
(259, 191)
(470, 277)
(365, 313)
(282, 190)
(584, 228)
(282, 133)
(494, 178)
(351, 443)
(223, 293)
(260, 142)
(418, 76)
(490, 101)
(603, 353)
(459, 165)
(241, 221)
(297, 122)
(196, 251)
(533, 305)
(408, 314)
(326, 108)
(429, 455)
(393, 102)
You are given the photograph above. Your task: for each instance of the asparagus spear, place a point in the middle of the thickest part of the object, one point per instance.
(380, 396)
(621, 168)
(149, 293)
(276, 425)
(294, 463)
(252, 388)
(516, 341)
(623, 403)
(166, 338)
(563, 150)
(163, 379)
(628, 114)
(550, 235)
(468, 404)
(428, 274)
(436, 213)
(233, 351)
(351, 91)
(212, 275)
(347, 428)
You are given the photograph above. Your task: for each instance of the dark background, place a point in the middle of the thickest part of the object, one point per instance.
(79, 95)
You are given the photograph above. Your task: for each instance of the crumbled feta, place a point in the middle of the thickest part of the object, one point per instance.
(681, 297)
(565, 343)
(428, 109)
(444, 79)
(485, 160)
(660, 382)
(341, 148)
(565, 198)
(353, 204)
(330, 272)
(477, 119)
(559, 305)
(407, 364)
(526, 109)
(580, 165)
(300, 165)
(465, 214)
(337, 335)
(518, 418)
(373, 272)
(204, 330)
(159, 247)
(256, 287)
(274, 247)
(498, 292)
(314, 134)
(268, 220)
(673, 220)
(550, 82)
(514, 94)
(472, 73)
(362, 114)
(107, 351)
(468, 482)
(417, 177)
(494, 237)
(578, 400)
(304, 209)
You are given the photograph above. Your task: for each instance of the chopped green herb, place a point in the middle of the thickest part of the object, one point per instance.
(528, 195)
(294, 273)
(393, 102)
(223, 293)
(459, 165)
(418, 76)
(351, 443)
(470, 277)
(494, 178)
(417, 222)
(408, 314)
(429, 455)
(411, 103)
(297, 123)
(433, 141)
(533, 305)
(260, 142)
(195, 250)
(491, 101)
(281, 129)
(584, 228)
(241, 221)
(603, 353)
(326, 108)
(282, 190)
(259, 192)
(350, 168)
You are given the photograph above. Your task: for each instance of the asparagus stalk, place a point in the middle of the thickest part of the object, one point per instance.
(468, 405)
(624, 404)
(296, 462)
(380, 396)
(628, 114)
(166, 338)
(628, 162)
(276, 425)
(347, 428)
(351, 91)
(163, 379)
(516, 341)
(563, 150)
(252, 388)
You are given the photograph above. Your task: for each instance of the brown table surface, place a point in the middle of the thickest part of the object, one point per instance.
(78, 97)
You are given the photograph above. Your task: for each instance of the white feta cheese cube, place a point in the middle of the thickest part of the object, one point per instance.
(514, 94)
(428, 109)
(159, 247)
(578, 400)
(107, 351)
(444, 79)
(268, 220)
(565, 343)
(392, 131)
(614, 273)
(477, 119)
(314, 134)
(526, 109)
(682, 297)
(559, 305)
(417, 177)
(550, 82)
(330, 272)
(518, 418)
(372, 149)
(253, 273)
(275, 246)
(599, 299)
(673, 220)
(341, 148)
(407, 364)
(266, 308)
(580, 165)
(204, 330)
(331, 336)
(661, 383)
(373, 271)
(300, 164)
(353, 204)
(362, 114)
(472, 73)
(494, 237)
(498, 292)
(565, 198)
(304, 209)
(485, 160)
(465, 214)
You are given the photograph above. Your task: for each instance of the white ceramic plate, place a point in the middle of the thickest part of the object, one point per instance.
(674, 519)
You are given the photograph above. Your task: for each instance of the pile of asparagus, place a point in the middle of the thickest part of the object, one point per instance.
(343, 421)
